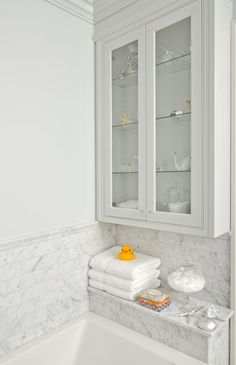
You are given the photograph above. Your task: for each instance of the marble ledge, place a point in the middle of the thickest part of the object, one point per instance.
(171, 312)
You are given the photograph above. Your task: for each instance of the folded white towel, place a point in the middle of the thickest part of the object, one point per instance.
(124, 284)
(121, 293)
(108, 262)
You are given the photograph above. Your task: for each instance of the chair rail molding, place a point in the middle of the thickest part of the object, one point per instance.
(82, 9)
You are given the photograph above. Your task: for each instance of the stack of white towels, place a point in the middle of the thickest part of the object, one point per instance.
(125, 279)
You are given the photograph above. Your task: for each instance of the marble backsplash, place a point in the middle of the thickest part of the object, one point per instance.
(43, 280)
(212, 256)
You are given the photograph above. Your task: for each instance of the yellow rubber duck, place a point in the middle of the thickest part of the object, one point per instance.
(126, 253)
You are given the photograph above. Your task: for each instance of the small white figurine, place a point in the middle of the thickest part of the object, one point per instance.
(132, 59)
(124, 119)
(184, 164)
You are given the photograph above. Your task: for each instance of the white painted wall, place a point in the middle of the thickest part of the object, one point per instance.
(46, 119)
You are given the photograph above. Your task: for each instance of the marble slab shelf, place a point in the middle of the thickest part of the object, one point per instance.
(166, 327)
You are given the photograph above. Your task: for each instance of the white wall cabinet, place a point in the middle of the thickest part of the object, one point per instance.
(163, 120)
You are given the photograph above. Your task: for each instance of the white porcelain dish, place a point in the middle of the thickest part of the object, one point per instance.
(91, 340)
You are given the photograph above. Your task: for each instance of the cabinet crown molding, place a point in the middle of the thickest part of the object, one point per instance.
(82, 9)
(105, 8)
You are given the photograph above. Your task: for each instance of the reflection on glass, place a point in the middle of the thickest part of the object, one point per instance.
(125, 126)
(173, 118)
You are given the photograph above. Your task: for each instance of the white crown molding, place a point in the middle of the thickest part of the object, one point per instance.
(82, 9)
(105, 8)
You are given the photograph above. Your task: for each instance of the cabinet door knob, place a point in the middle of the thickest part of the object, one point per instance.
(149, 212)
(140, 211)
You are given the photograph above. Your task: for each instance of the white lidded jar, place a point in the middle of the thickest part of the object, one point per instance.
(186, 279)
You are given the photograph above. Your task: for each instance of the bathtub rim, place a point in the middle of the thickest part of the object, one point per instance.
(145, 342)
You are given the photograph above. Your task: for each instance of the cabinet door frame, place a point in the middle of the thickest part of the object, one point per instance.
(106, 125)
(195, 219)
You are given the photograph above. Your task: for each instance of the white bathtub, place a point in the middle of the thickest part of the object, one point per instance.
(94, 340)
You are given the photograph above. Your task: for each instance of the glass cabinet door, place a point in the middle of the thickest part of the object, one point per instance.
(125, 123)
(175, 119)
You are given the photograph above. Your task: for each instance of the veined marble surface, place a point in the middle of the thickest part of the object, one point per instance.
(210, 347)
(43, 280)
(212, 256)
(218, 351)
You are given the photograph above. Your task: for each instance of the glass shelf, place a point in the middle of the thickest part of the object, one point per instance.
(171, 171)
(185, 117)
(182, 57)
(124, 172)
(125, 126)
(126, 81)
(124, 115)
(176, 64)
(157, 171)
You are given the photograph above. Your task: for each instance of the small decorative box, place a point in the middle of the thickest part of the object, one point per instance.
(154, 299)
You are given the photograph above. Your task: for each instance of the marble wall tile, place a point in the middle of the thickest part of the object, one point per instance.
(43, 280)
(212, 256)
